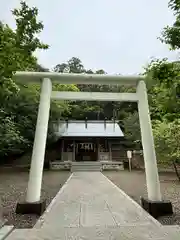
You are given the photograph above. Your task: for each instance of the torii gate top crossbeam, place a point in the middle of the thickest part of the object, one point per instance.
(72, 78)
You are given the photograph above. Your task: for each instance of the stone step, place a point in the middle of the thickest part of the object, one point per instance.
(88, 163)
(84, 170)
(86, 167)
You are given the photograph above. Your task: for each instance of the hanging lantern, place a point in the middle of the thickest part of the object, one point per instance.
(105, 123)
(86, 122)
(66, 123)
(114, 121)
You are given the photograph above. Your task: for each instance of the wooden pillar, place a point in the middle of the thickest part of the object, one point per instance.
(98, 149)
(62, 150)
(110, 151)
(74, 151)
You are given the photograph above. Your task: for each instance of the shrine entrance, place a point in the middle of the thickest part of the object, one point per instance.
(86, 151)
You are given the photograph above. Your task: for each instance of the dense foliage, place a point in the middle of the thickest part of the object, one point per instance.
(164, 99)
(19, 103)
(165, 95)
(167, 135)
(171, 34)
(95, 110)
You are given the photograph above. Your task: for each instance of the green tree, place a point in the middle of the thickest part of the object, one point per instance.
(19, 103)
(74, 65)
(163, 89)
(27, 27)
(166, 136)
(94, 109)
(131, 128)
(171, 34)
(163, 80)
(17, 47)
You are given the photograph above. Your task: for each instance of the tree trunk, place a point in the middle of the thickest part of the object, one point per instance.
(1, 215)
(176, 170)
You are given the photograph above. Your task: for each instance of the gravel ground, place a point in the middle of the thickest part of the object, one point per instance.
(13, 189)
(134, 184)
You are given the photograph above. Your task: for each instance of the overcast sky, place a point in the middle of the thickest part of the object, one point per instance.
(115, 35)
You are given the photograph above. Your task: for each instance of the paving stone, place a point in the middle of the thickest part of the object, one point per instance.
(2, 221)
(22, 234)
(96, 214)
(5, 231)
(96, 233)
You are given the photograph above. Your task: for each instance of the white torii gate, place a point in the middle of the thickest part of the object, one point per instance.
(46, 79)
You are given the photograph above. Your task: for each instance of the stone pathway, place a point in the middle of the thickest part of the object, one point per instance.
(91, 207)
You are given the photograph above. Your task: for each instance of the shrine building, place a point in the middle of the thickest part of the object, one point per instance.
(88, 141)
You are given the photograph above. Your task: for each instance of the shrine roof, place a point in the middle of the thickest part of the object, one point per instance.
(88, 129)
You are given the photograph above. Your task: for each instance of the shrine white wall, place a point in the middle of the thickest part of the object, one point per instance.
(104, 156)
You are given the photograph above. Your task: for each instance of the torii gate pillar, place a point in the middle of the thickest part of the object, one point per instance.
(154, 204)
(33, 202)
